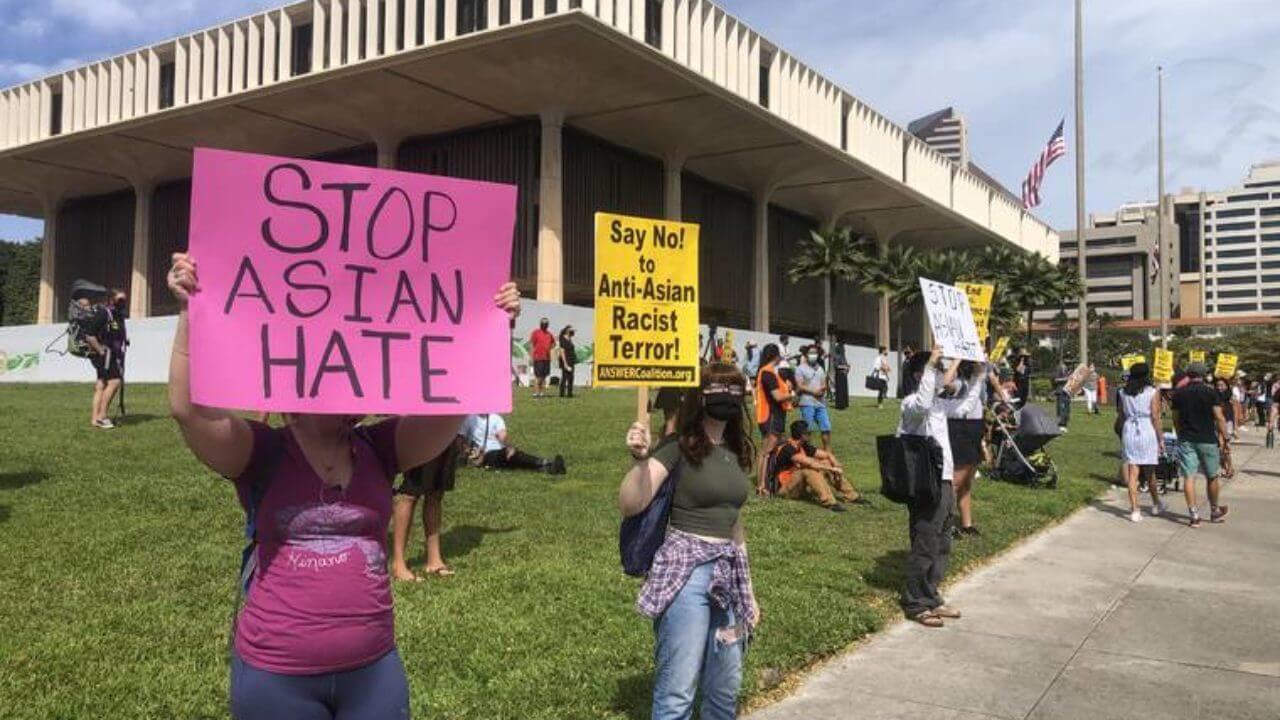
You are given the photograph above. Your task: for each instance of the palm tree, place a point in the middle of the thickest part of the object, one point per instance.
(894, 274)
(1032, 282)
(830, 256)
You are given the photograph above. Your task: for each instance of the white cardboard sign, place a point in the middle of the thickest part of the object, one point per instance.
(951, 319)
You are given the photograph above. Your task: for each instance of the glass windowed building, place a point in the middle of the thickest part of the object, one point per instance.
(1229, 243)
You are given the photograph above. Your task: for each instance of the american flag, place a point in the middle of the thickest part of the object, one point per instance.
(1056, 148)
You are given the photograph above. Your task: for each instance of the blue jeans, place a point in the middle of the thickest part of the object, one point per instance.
(817, 418)
(377, 691)
(690, 657)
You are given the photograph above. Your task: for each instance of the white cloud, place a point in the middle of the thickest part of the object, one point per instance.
(1008, 66)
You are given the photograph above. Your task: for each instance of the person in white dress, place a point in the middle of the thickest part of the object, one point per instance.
(1141, 438)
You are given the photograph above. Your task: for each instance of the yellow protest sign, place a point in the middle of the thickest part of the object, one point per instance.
(1197, 355)
(646, 328)
(999, 349)
(1162, 372)
(1129, 361)
(980, 303)
(1226, 367)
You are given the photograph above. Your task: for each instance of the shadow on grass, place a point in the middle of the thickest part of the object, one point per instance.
(888, 573)
(137, 419)
(634, 696)
(15, 480)
(461, 540)
(1111, 479)
(5, 511)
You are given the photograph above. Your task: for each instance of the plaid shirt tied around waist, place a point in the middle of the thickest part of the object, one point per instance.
(676, 560)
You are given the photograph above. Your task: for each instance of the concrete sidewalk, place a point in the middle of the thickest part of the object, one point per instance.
(1096, 618)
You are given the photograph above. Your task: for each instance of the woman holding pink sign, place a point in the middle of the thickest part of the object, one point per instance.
(315, 636)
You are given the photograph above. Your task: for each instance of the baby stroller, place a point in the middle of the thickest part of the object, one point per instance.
(1168, 474)
(1021, 437)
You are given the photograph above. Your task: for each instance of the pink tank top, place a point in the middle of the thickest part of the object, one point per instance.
(321, 599)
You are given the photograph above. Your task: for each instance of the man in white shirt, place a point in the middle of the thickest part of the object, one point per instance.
(488, 435)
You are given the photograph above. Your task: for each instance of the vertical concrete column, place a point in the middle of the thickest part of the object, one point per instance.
(388, 151)
(760, 278)
(139, 287)
(551, 208)
(673, 202)
(882, 306)
(45, 311)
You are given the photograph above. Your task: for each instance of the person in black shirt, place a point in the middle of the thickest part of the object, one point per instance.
(568, 360)
(1202, 436)
(101, 331)
(800, 469)
(1022, 376)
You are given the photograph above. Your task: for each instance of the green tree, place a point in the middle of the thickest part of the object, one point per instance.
(19, 281)
(1032, 282)
(829, 257)
(895, 274)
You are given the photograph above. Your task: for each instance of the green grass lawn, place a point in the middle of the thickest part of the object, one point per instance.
(121, 554)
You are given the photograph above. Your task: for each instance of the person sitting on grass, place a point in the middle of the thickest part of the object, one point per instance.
(488, 435)
(801, 468)
(429, 483)
(315, 637)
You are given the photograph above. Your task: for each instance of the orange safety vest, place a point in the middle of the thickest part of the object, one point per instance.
(762, 399)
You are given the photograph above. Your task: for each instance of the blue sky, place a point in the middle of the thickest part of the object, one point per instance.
(1006, 64)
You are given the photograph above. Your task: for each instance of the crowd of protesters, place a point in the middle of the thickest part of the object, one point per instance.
(314, 638)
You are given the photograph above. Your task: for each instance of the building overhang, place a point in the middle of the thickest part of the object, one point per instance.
(572, 65)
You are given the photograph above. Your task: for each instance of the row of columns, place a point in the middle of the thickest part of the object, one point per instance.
(550, 257)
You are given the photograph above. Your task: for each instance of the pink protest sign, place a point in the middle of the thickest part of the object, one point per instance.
(335, 289)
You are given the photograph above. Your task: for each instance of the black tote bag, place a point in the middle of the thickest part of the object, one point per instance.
(910, 469)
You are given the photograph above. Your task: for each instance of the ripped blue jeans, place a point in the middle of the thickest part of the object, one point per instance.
(698, 650)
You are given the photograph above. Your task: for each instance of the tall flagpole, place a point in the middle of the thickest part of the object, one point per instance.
(1082, 319)
(1162, 257)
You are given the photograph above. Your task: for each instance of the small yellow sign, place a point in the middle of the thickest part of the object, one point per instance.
(1163, 370)
(1226, 367)
(1129, 361)
(999, 349)
(646, 328)
(980, 297)
(1197, 355)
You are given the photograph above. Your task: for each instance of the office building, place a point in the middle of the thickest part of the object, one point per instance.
(1229, 243)
(648, 107)
(945, 131)
(1121, 265)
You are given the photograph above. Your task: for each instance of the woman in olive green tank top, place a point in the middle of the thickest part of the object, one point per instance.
(698, 591)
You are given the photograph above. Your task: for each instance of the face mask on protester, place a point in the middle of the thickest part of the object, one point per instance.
(813, 358)
(722, 402)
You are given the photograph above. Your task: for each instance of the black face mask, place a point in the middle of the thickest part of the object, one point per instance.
(722, 406)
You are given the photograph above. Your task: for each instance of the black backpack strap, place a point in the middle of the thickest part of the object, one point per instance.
(269, 458)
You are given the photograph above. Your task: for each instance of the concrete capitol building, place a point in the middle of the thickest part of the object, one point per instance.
(663, 108)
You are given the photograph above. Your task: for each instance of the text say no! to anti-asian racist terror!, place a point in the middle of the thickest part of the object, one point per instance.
(336, 289)
(646, 302)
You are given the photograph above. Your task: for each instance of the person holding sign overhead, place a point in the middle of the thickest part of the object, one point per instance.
(314, 638)
(924, 414)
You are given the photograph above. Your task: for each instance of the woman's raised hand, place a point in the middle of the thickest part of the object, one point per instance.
(508, 300)
(182, 279)
(638, 440)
